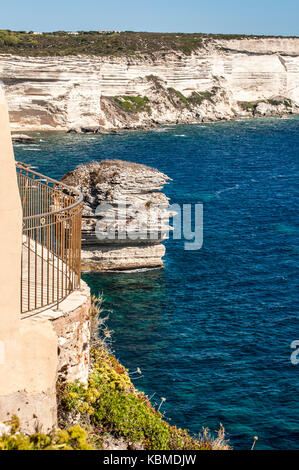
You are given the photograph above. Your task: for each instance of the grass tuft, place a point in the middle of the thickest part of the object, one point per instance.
(133, 104)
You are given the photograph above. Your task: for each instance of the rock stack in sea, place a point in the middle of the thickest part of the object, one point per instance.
(125, 215)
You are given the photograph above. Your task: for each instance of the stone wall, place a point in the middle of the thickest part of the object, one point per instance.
(73, 330)
(71, 324)
(47, 347)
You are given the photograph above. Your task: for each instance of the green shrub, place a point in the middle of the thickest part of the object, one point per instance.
(8, 38)
(113, 405)
(274, 102)
(148, 204)
(155, 80)
(74, 438)
(126, 43)
(133, 104)
(198, 97)
(288, 103)
(175, 93)
(109, 404)
(247, 105)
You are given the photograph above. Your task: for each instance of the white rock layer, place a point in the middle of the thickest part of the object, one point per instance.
(125, 216)
(69, 92)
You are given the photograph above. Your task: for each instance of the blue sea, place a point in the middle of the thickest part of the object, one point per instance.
(211, 332)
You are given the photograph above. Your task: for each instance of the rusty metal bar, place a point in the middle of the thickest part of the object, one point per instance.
(51, 255)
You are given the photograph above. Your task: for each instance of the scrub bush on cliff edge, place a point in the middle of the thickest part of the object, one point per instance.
(113, 405)
(74, 438)
(109, 405)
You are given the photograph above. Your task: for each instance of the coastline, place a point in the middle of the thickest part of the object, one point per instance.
(221, 80)
(116, 131)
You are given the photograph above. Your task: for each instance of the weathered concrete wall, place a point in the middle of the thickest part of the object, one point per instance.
(35, 350)
(10, 229)
(28, 376)
(28, 351)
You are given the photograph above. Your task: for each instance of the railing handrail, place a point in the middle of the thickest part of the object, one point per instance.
(51, 254)
(57, 183)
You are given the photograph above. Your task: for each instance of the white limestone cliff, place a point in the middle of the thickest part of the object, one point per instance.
(78, 91)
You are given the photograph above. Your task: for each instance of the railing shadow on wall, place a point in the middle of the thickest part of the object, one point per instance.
(51, 250)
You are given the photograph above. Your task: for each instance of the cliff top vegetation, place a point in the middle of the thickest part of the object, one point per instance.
(114, 43)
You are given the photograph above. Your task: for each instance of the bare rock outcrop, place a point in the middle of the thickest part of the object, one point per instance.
(23, 139)
(125, 215)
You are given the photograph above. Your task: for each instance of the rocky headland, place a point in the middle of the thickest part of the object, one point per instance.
(125, 215)
(216, 79)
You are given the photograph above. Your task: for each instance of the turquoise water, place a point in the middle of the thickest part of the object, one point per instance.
(212, 331)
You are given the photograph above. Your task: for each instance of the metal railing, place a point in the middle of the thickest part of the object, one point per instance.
(51, 252)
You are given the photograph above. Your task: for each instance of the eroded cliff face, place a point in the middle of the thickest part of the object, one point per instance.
(125, 215)
(222, 80)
